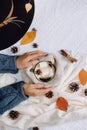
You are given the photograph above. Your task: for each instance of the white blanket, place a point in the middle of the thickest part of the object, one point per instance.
(41, 111)
(60, 24)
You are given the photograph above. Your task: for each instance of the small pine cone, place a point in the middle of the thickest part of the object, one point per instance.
(14, 49)
(35, 128)
(49, 94)
(14, 114)
(74, 87)
(85, 92)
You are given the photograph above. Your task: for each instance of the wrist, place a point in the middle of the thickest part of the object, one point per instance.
(17, 62)
(25, 88)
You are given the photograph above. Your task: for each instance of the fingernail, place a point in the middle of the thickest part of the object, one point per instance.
(46, 54)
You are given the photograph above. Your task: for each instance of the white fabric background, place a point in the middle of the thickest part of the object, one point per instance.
(60, 24)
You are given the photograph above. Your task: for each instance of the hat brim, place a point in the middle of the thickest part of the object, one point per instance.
(14, 30)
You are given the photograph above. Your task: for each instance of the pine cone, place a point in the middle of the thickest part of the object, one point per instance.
(49, 94)
(14, 49)
(74, 87)
(35, 128)
(85, 92)
(14, 114)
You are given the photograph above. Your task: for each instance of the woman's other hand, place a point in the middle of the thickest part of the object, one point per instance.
(35, 89)
(29, 58)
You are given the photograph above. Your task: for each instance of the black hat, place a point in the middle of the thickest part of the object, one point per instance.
(15, 18)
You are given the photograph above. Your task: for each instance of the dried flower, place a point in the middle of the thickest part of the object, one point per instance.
(35, 45)
(14, 49)
(14, 114)
(70, 58)
(38, 72)
(34, 29)
(49, 94)
(74, 87)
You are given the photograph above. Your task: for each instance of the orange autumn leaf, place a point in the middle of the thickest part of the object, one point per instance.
(62, 103)
(83, 77)
(28, 37)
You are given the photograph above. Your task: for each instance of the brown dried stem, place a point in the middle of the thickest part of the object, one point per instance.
(70, 58)
(10, 19)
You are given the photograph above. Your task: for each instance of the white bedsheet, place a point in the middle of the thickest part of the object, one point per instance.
(60, 24)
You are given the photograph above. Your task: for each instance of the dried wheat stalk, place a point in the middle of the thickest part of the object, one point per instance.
(10, 19)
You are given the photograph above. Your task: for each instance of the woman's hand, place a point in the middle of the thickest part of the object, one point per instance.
(35, 89)
(29, 58)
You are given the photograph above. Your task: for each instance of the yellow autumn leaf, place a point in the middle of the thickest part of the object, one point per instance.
(28, 37)
(28, 7)
(83, 77)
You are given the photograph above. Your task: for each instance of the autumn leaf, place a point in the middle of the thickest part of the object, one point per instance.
(83, 77)
(28, 37)
(28, 7)
(62, 104)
